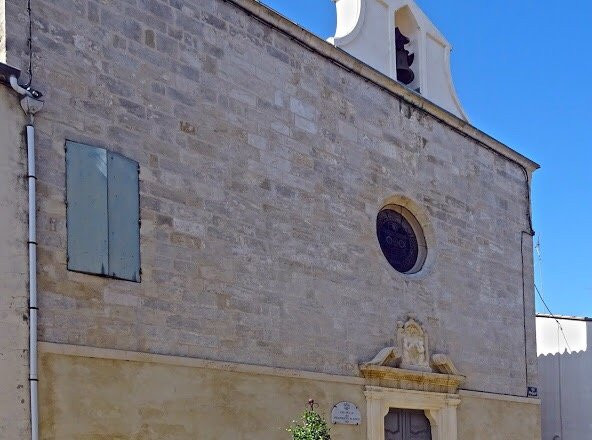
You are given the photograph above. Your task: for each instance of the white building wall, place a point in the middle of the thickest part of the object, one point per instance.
(565, 385)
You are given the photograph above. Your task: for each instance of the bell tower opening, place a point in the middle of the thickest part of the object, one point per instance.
(404, 59)
(396, 38)
(407, 62)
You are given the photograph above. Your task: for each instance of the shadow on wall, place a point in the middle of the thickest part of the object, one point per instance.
(565, 389)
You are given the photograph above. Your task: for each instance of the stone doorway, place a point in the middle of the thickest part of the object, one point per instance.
(406, 385)
(406, 424)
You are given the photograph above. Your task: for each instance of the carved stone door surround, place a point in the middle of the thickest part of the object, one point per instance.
(439, 408)
(407, 377)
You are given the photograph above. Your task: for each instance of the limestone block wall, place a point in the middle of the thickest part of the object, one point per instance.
(263, 166)
(14, 326)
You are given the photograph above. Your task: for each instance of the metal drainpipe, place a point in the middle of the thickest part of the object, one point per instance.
(31, 106)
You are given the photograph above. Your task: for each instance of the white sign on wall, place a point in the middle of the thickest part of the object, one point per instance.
(346, 413)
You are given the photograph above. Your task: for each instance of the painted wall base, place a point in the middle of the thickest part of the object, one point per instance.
(109, 394)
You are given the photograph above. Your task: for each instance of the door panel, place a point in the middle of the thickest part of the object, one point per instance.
(406, 424)
(418, 426)
(393, 429)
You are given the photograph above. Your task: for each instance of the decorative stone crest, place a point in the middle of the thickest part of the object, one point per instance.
(413, 342)
(408, 365)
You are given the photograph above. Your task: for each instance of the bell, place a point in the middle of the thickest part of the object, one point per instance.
(404, 59)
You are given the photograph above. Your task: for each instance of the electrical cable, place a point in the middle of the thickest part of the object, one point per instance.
(524, 305)
(540, 267)
(539, 262)
(531, 234)
(30, 45)
(554, 317)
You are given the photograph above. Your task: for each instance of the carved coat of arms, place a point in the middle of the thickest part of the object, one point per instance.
(412, 352)
(413, 342)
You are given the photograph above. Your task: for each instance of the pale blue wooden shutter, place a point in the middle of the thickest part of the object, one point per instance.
(86, 186)
(124, 217)
(103, 212)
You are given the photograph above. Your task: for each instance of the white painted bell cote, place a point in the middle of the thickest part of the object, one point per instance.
(396, 38)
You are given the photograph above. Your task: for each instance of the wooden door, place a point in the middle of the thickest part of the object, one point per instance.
(406, 424)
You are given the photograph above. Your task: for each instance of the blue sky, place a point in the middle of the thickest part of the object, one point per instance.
(523, 71)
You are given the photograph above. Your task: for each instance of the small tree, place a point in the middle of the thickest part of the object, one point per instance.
(312, 427)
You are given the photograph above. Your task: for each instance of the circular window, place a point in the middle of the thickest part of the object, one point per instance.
(401, 239)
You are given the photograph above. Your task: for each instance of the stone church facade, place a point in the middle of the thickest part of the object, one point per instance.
(265, 158)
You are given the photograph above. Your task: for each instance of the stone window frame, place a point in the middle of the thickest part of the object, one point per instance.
(421, 223)
(422, 247)
(439, 408)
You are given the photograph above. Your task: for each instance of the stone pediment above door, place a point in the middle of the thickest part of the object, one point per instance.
(408, 365)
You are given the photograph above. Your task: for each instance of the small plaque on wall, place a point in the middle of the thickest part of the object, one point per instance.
(346, 413)
(532, 392)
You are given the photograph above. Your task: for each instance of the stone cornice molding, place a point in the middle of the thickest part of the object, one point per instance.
(189, 362)
(390, 377)
(411, 399)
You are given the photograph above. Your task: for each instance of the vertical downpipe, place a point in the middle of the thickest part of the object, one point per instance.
(32, 279)
(31, 105)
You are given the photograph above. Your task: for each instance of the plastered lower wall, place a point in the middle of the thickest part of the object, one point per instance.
(99, 399)
(14, 334)
(493, 419)
(90, 398)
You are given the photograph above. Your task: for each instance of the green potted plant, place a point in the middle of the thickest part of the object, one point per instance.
(311, 427)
